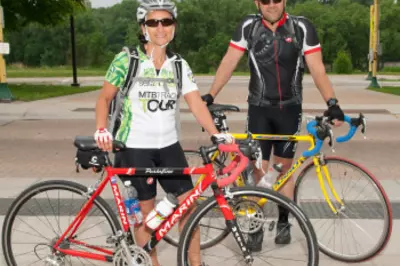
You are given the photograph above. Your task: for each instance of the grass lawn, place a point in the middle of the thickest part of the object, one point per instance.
(27, 92)
(16, 72)
(392, 90)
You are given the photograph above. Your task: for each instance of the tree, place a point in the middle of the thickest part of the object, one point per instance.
(46, 12)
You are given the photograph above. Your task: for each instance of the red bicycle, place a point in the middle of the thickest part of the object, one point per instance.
(65, 223)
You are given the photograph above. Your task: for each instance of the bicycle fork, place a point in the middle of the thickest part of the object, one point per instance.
(320, 163)
(231, 223)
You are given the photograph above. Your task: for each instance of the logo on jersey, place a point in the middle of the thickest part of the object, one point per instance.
(289, 39)
(190, 76)
(150, 181)
(157, 101)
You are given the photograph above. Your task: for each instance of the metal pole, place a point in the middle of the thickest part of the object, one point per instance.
(74, 72)
(374, 80)
(371, 40)
(5, 93)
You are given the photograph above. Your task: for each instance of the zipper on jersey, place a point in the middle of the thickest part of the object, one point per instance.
(278, 75)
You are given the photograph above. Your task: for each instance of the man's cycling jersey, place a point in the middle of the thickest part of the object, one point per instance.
(149, 111)
(275, 60)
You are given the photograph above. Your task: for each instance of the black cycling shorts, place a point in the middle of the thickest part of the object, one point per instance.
(285, 120)
(171, 156)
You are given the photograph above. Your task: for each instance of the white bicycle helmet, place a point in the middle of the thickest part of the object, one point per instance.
(149, 5)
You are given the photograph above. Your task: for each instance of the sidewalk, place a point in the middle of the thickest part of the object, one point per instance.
(350, 91)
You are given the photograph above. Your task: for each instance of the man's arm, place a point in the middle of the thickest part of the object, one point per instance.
(200, 112)
(225, 69)
(318, 73)
(321, 80)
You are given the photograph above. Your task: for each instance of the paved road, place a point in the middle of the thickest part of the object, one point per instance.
(36, 140)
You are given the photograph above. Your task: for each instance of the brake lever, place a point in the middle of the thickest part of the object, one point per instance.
(363, 125)
(331, 142)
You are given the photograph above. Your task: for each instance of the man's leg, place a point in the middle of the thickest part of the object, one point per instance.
(259, 123)
(288, 123)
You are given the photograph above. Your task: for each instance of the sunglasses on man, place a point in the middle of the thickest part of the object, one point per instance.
(267, 2)
(165, 22)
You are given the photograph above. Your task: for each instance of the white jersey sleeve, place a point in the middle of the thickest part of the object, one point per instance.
(188, 82)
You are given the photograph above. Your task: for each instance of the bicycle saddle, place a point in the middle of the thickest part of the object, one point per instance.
(222, 108)
(87, 143)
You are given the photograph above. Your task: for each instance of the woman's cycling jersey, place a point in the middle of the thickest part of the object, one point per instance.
(276, 58)
(149, 112)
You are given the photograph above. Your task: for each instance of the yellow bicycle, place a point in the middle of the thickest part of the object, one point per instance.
(350, 206)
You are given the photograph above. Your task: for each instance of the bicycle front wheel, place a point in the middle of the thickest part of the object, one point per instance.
(362, 226)
(254, 222)
(42, 213)
(194, 159)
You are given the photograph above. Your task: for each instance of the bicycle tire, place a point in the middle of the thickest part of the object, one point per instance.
(387, 210)
(203, 245)
(33, 190)
(190, 226)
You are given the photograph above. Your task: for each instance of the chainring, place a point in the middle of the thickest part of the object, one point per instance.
(139, 255)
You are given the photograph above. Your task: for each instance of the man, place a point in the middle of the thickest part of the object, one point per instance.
(277, 45)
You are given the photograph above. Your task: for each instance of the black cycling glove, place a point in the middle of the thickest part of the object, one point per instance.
(334, 111)
(208, 99)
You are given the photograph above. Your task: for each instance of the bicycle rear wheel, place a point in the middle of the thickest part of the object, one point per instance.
(251, 219)
(42, 212)
(362, 227)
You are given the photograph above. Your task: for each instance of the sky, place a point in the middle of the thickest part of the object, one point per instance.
(104, 3)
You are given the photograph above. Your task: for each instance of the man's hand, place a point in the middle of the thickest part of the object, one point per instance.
(103, 139)
(224, 138)
(208, 99)
(334, 112)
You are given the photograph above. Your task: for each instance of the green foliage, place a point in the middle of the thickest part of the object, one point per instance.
(391, 90)
(203, 32)
(394, 69)
(342, 63)
(19, 13)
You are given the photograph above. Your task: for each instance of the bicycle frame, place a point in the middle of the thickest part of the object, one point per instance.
(321, 168)
(164, 228)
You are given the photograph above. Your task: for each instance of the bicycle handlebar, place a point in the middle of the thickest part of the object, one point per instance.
(318, 142)
(235, 167)
(354, 123)
(320, 129)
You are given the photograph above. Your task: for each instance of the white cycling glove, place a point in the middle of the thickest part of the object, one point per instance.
(222, 138)
(102, 135)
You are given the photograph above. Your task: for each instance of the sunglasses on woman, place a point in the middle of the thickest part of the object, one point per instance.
(165, 22)
(267, 2)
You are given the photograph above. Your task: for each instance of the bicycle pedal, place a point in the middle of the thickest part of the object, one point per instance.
(271, 226)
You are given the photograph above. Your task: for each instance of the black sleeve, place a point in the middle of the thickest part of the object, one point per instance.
(310, 42)
(239, 37)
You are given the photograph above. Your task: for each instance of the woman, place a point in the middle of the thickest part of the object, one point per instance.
(149, 121)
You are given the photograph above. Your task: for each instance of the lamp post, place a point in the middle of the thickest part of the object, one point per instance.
(74, 72)
(371, 41)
